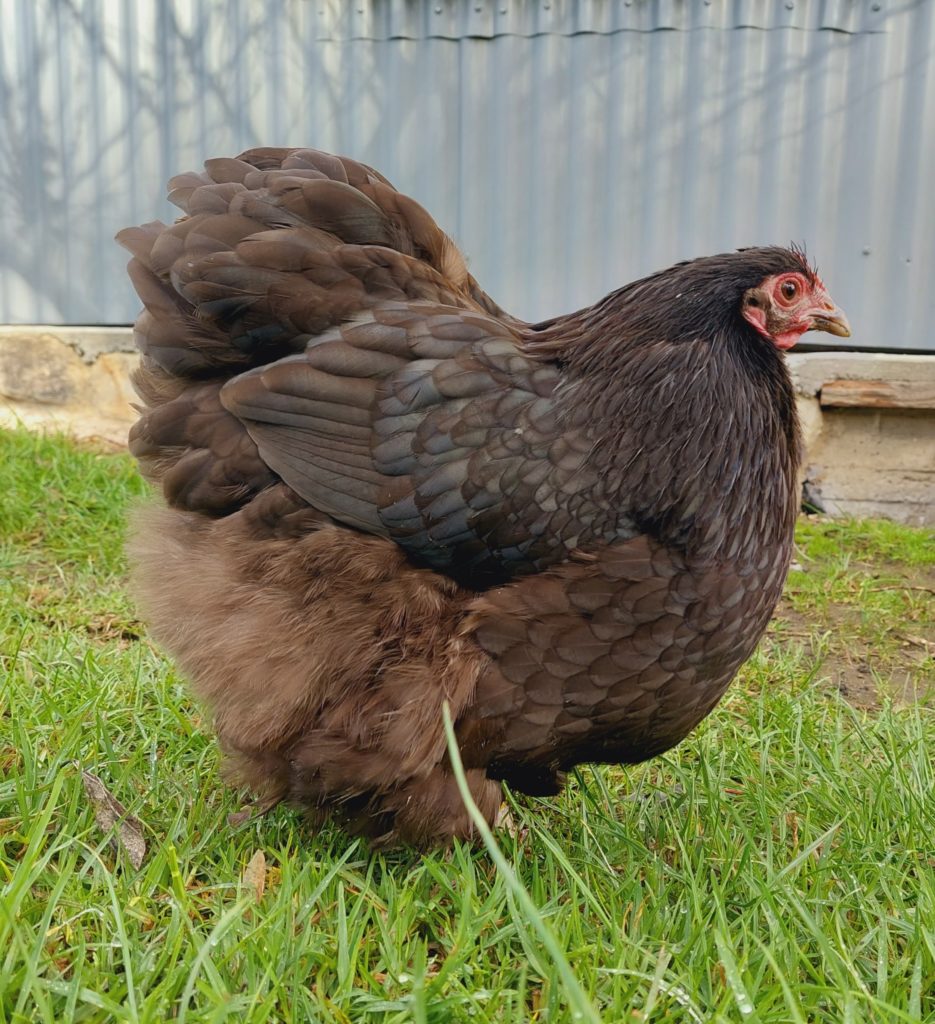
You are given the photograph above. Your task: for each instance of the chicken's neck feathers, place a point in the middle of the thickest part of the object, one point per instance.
(696, 441)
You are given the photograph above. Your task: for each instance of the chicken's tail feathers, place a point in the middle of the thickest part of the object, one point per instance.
(276, 247)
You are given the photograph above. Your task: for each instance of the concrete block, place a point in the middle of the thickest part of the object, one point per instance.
(876, 458)
(73, 379)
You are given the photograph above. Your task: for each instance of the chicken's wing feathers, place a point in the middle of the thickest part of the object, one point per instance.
(426, 424)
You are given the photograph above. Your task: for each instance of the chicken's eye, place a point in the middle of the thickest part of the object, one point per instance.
(789, 290)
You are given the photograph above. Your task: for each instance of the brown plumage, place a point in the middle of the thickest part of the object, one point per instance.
(383, 493)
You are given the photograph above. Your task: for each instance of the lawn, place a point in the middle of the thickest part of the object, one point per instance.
(778, 866)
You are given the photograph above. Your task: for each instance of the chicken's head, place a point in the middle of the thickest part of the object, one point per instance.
(784, 306)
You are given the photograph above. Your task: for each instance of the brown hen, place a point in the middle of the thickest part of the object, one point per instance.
(383, 493)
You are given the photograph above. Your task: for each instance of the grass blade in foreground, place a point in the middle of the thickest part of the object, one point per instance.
(581, 1005)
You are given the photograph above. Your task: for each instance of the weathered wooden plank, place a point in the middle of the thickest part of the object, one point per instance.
(879, 394)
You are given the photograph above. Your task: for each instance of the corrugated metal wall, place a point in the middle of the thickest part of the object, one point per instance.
(568, 145)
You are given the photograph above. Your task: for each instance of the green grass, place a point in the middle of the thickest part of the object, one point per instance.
(860, 602)
(779, 866)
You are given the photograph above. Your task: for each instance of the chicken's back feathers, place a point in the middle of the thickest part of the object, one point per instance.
(384, 492)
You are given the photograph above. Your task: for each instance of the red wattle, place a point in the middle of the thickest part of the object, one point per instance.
(787, 339)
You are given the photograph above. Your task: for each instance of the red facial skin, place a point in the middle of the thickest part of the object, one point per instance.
(783, 307)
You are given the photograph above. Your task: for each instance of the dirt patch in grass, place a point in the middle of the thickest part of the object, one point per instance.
(858, 670)
(869, 633)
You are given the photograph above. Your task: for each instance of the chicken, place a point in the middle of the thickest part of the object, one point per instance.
(382, 493)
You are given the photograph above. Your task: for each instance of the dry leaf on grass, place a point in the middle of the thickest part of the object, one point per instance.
(254, 875)
(111, 816)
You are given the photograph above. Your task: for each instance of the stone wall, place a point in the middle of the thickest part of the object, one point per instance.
(72, 379)
(869, 419)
